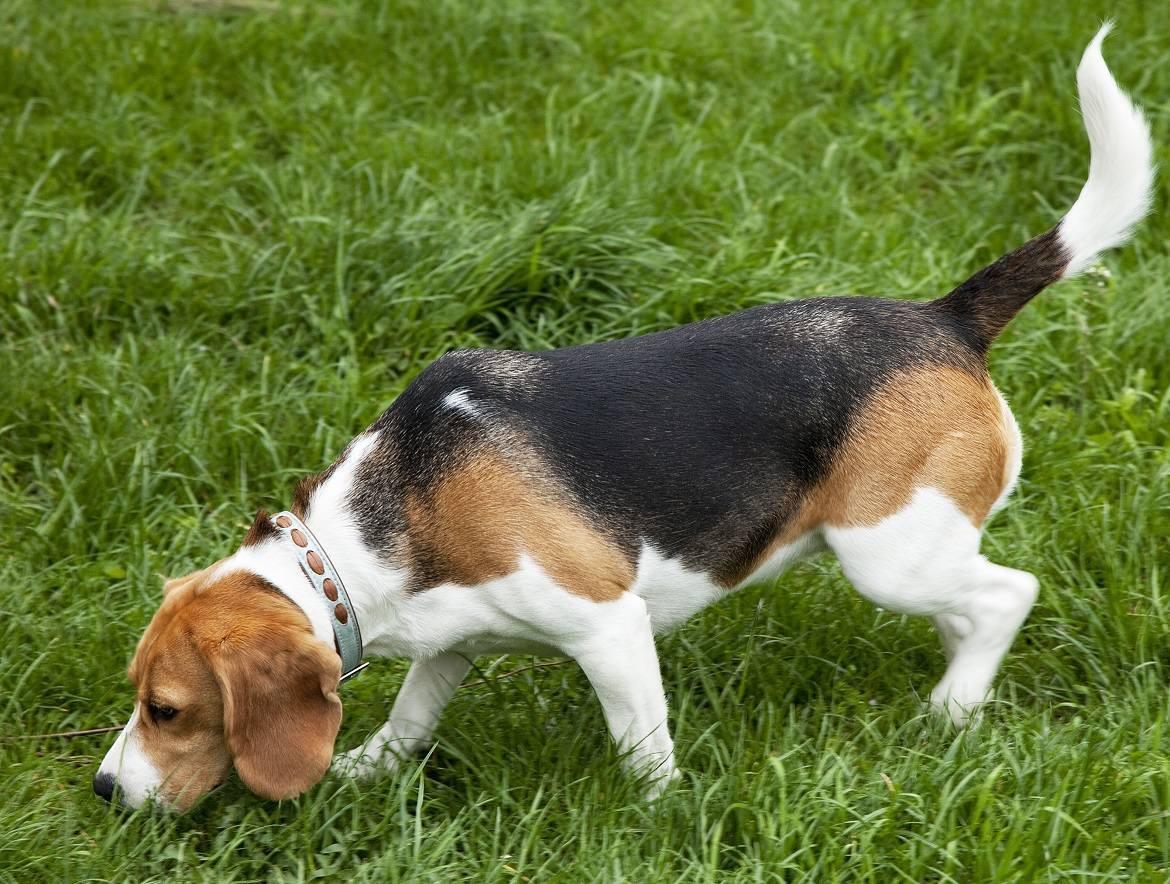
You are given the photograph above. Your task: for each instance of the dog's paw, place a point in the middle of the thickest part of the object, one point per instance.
(962, 713)
(660, 784)
(364, 763)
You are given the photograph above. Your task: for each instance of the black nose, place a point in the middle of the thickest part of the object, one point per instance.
(103, 786)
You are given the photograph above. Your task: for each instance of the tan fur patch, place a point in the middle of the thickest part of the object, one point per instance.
(935, 427)
(250, 683)
(486, 513)
(189, 751)
(195, 577)
(939, 428)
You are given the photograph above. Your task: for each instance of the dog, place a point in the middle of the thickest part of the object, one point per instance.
(581, 501)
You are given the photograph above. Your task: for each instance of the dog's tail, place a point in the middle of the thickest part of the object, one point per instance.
(1114, 199)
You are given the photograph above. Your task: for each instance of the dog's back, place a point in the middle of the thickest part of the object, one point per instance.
(704, 441)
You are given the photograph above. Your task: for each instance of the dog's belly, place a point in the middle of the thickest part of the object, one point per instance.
(491, 644)
(528, 612)
(785, 557)
(674, 594)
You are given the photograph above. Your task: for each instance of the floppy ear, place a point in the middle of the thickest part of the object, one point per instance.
(281, 711)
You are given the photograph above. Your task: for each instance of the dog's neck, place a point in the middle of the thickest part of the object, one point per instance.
(375, 588)
(276, 563)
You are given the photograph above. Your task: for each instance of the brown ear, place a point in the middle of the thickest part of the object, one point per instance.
(280, 706)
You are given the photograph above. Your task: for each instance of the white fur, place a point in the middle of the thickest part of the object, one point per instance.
(1015, 454)
(621, 662)
(424, 694)
(444, 628)
(526, 610)
(911, 561)
(785, 557)
(374, 587)
(271, 560)
(137, 778)
(672, 592)
(922, 560)
(925, 559)
(1117, 194)
(460, 400)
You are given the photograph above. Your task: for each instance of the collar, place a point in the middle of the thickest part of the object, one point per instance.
(326, 582)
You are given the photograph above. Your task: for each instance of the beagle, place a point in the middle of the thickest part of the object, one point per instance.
(581, 501)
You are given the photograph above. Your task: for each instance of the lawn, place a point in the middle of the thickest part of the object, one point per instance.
(232, 232)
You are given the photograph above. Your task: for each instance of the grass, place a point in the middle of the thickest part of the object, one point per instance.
(231, 232)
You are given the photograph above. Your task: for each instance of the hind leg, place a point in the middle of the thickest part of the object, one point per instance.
(925, 560)
(980, 634)
(950, 630)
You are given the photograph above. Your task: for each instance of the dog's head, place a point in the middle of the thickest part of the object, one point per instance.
(227, 673)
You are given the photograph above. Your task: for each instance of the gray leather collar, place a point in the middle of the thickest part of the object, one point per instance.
(326, 582)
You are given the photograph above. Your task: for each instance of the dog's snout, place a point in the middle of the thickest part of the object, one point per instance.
(103, 786)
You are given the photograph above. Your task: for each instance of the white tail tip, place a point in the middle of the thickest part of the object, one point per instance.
(1117, 194)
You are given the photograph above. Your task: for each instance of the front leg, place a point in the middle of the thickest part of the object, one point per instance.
(621, 663)
(424, 694)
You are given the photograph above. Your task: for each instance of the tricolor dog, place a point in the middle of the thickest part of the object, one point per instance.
(579, 502)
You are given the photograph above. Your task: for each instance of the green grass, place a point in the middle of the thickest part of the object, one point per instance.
(230, 233)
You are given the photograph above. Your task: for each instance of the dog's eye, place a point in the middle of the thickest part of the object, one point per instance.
(162, 713)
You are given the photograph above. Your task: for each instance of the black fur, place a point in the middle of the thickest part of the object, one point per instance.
(989, 300)
(701, 441)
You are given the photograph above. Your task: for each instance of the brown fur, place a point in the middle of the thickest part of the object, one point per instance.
(936, 427)
(261, 529)
(482, 516)
(308, 485)
(176, 583)
(189, 751)
(252, 685)
(303, 492)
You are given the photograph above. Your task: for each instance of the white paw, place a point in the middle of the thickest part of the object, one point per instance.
(961, 713)
(364, 763)
(661, 783)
